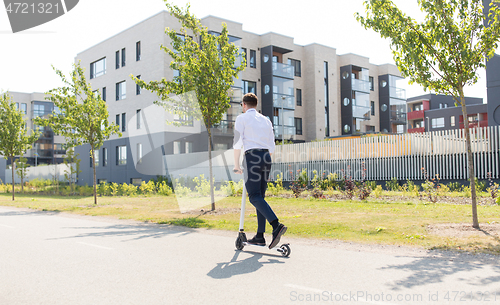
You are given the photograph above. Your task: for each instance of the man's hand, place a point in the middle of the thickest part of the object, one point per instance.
(237, 170)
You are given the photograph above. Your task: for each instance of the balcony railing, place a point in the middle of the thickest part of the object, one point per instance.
(414, 115)
(225, 127)
(283, 101)
(483, 123)
(360, 85)
(283, 70)
(416, 130)
(398, 93)
(398, 117)
(361, 112)
(289, 131)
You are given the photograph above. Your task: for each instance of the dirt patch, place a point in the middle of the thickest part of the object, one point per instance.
(464, 229)
(218, 211)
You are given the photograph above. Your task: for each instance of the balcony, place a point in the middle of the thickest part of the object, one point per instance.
(283, 101)
(398, 93)
(416, 130)
(283, 70)
(361, 112)
(398, 117)
(288, 130)
(225, 127)
(415, 115)
(483, 123)
(360, 85)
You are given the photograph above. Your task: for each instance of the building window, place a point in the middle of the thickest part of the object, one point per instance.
(253, 62)
(123, 57)
(121, 91)
(121, 155)
(104, 93)
(298, 126)
(137, 87)
(296, 64)
(244, 54)
(138, 51)
(249, 87)
(452, 121)
(104, 157)
(372, 85)
(437, 123)
(117, 59)
(177, 147)
(96, 157)
(298, 96)
(189, 147)
(124, 115)
(117, 121)
(24, 108)
(370, 128)
(373, 107)
(139, 153)
(38, 110)
(98, 68)
(138, 117)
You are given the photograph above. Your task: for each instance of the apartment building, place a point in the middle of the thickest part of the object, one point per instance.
(432, 112)
(48, 149)
(309, 92)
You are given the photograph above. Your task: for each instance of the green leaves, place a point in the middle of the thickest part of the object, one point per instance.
(206, 65)
(15, 139)
(83, 116)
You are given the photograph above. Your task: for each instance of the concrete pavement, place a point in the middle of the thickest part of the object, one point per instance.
(58, 258)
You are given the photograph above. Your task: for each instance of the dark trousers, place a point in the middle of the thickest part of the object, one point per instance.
(257, 169)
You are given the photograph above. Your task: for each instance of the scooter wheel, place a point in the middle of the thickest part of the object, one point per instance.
(285, 250)
(239, 244)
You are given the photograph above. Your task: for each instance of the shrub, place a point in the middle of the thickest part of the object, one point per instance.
(431, 186)
(147, 189)
(104, 189)
(454, 186)
(371, 184)
(317, 191)
(498, 200)
(392, 185)
(492, 188)
(163, 188)
(298, 185)
(443, 190)
(364, 189)
(466, 191)
(377, 192)
(182, 191)
(202, 185)
(129, 190)
(349, 186)
(115, 188)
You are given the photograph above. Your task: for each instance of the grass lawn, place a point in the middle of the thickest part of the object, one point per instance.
(379, 221)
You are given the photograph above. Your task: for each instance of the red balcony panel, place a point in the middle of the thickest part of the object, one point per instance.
(416, 130)
(415, 115)
(426, 105)
(483, 123)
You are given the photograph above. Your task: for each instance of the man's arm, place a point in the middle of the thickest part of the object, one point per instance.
(237, 169)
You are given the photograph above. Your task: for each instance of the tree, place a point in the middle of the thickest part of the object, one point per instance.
(22, 170)
(206, 63)
(83, 115)
(14, 138)
(443, 53)
(73, 163)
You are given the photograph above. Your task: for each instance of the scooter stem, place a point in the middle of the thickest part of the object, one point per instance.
(242, 213)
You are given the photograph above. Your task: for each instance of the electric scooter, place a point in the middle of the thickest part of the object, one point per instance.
(241, 241)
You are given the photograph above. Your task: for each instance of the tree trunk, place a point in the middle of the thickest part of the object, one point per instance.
(22, 182)
(12, 166)
(93, 167)
(470, 161)
(212, 197)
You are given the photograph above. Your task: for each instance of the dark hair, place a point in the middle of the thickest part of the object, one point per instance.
(250, 99)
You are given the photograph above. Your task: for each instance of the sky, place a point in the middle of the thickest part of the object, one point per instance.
(26, 58)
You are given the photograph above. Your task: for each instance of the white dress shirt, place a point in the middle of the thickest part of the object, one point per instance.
(253, 131)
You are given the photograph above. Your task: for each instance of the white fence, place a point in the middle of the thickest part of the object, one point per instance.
(401, 156)
(42, 172)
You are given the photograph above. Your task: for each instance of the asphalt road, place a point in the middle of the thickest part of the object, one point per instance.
(56, 258)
